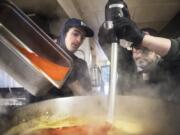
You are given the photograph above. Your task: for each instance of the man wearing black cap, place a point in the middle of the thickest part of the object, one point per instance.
(73, 33)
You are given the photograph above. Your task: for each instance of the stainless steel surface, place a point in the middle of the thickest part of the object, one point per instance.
(113, 81)
(151, 116)
(22, 71)
(29, 36)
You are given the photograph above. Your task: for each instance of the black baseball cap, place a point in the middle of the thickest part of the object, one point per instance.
(73, 22)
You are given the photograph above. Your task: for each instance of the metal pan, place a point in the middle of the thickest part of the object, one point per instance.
(24, 33)
(150, 116)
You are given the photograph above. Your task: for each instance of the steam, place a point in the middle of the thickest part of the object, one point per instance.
(3, 109)
(3, 118)
(154, 83)
(8, 102)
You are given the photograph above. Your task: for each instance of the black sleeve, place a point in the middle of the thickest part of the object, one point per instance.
(174, 52)
(81, 73)
(84, 77)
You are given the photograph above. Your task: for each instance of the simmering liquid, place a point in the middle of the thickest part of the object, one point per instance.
(75, 130)
(74, 126)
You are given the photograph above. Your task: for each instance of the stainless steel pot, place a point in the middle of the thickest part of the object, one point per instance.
(17, 30)
(151, 116)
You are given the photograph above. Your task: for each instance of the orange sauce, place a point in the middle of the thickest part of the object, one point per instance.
(75, 130)
(52, 69)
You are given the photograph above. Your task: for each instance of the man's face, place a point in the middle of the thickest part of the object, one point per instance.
(143, 58)
(74, 38)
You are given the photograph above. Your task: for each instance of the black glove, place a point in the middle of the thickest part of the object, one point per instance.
(127, 29)
(106, 36)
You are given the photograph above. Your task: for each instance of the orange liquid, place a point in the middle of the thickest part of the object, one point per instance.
(53, 70)
(75, 130)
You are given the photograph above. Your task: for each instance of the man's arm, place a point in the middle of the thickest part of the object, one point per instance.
(169, 49)
(80, 80)
(159, 45)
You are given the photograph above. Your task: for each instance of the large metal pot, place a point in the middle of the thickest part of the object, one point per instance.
(150, 116)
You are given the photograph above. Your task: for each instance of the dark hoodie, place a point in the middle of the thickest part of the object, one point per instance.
(79, 70)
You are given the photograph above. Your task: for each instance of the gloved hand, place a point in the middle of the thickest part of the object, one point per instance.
(127, 29)
(105, 36)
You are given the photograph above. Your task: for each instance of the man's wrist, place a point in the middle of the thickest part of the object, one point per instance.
(138, 41)
(146, 36)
